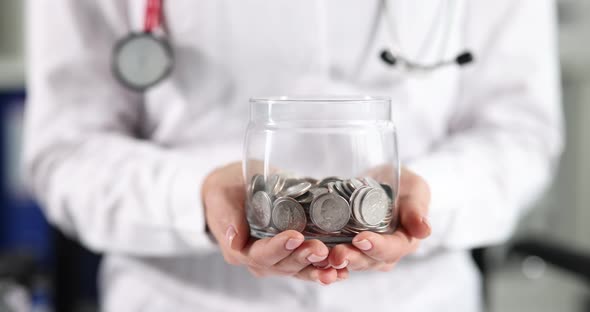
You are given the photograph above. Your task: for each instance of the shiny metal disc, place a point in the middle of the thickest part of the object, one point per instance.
(374, 206)
(141, 60)
(329, 212)
(260, 209)
(288, 214)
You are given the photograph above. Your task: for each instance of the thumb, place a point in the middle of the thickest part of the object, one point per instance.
(413, 218)
(414, 202)
(227, 218)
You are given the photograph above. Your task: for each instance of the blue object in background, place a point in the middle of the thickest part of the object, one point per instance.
(22, 224)
(72, 269)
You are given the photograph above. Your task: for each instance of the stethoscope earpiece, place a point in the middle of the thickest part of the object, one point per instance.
(464, 58)
(388, 57)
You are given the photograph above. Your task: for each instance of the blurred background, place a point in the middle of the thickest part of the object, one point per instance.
(545, 267)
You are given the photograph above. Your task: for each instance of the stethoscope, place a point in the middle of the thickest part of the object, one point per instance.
(143, 59)
(391, 58)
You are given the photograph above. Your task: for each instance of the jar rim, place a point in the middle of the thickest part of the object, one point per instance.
(324, 107)
(320, 99)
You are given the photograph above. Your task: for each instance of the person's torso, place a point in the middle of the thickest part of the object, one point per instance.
(228, 51)
(442, 282)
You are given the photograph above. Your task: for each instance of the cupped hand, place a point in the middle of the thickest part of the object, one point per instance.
(287, 253)
(380, 252)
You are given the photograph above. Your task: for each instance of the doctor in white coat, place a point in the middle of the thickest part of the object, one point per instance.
(147, 177)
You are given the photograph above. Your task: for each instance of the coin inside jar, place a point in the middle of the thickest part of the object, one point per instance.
(374, 206)
(329, 212)
(275, 184)
(288, 214)
(327, 180)
(326, 208)
(296, 190)
(371, 182)
(388, 190)
(261, 207)
(355, 201)
(305, 198)
(257, 183)
(318, 191)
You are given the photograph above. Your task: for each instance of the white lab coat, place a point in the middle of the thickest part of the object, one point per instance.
(122, 171)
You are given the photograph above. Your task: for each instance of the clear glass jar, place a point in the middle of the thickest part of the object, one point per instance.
(325, 166)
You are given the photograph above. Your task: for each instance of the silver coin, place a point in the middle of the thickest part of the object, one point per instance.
(260, 209)
(356, 183)
(257, 183)
(331, 187)
(347, 187)
(388, 190)
(355, 201)
(329, 212)
(305, 198)
(371, 182)
(288, 214)
(327, 180)
(339, 188)
(296, 190)
(310, 180)
(317, 191)
(275, 184)
(290, 182)
(374, 206)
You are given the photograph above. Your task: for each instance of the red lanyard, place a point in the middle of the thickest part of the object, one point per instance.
(153, 15)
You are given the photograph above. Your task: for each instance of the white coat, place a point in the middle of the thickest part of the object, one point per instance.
(122, 171)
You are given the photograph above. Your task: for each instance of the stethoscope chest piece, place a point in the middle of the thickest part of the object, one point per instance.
(141, 60)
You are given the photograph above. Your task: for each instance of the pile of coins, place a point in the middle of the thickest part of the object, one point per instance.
(332, 206)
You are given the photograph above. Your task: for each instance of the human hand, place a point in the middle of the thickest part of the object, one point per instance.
(286, 253)
(380, 252)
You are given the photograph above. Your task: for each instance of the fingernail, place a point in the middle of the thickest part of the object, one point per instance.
(363, 245)
(322, 265)
(342, 265)
(322, 283)
(293, 243)
(315, 258)
(230, 234)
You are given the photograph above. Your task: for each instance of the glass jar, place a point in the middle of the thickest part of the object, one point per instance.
(324, 166)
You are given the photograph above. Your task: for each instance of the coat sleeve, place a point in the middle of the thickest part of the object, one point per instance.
(95, 179)
(506, 135)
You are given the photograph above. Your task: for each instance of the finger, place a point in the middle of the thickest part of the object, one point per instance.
(259, 272)
(324, 264)
(388, 248)
(342, 274)
(413, 219)
(347, 256)
(385, 267)
(324, 277)
(267, 252)
(413, 203)
(413, 185)
(310, 252)
(227, 220)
